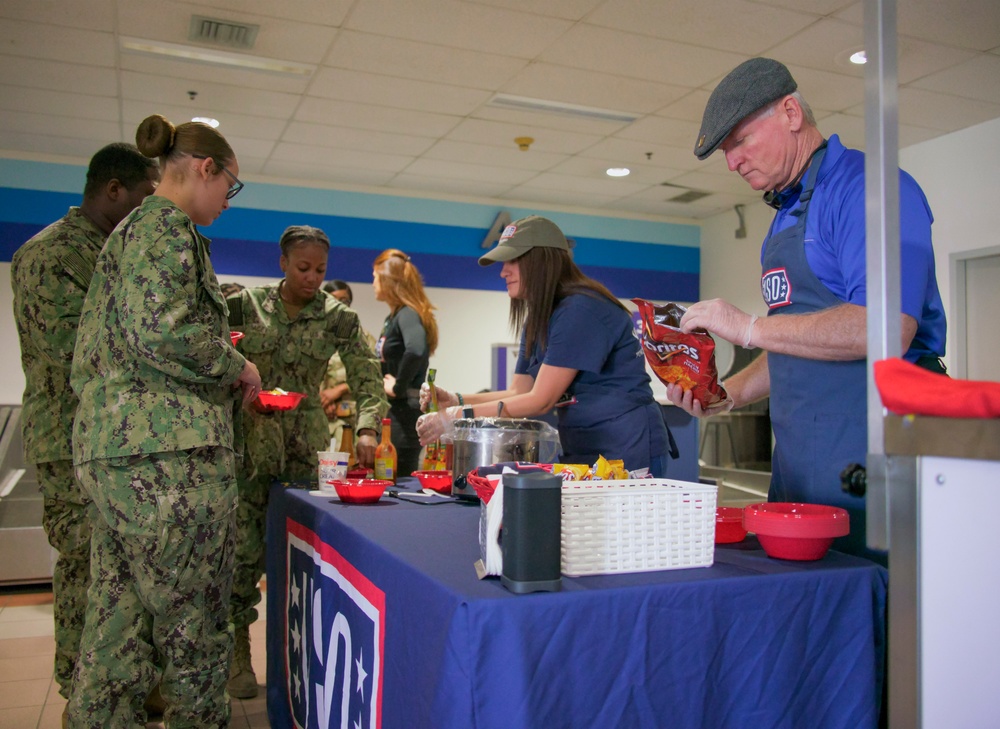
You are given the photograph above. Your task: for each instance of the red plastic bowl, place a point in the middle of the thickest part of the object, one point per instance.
(439, 481)
(273, 401)
(236, 336)
(360, 490)
(788, 530)
(360, 472)
(729, 525)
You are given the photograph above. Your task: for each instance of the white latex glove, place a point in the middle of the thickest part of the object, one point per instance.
(445, 398)
(431, 426)
(685, 400)
(722, 320)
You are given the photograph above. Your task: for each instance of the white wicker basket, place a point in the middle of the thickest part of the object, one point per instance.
(636, 526)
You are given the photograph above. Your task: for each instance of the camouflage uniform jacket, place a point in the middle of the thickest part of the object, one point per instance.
(154, 365)
(50, 275)
(293, 354)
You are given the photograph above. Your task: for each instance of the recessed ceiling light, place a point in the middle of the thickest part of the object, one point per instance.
(214, 123)
(618, 171)
(859, 58)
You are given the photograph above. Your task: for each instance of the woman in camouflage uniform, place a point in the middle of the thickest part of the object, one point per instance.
(291, 330)
(153, 441)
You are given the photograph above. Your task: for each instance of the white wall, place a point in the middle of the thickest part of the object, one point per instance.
(960, 174)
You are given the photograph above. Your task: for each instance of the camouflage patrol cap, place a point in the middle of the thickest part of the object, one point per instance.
(750, 86)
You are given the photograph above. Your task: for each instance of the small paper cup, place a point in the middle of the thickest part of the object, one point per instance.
(332, 467)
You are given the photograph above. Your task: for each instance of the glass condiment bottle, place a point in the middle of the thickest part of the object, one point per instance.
(385, 454)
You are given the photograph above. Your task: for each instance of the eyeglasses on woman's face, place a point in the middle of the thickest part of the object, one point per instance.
(235, 188)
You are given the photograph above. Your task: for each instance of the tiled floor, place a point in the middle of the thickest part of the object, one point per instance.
(29, 696)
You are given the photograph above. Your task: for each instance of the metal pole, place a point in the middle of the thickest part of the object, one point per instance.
(891, 482)
(882, 231)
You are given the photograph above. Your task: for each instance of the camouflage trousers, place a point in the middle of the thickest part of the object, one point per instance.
(251, 514)
(67, 527)
(162, 568)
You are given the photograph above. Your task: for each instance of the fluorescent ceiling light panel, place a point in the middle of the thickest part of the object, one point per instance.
(523, 103)
(219, 58)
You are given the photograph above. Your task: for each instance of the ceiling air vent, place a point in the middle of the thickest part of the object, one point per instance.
(687, 196)
(222, 32)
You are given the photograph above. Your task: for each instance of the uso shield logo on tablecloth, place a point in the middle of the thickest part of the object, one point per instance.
(334, 628)
(776, 288)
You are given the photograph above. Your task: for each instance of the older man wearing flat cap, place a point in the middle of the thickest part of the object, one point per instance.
(813, 282)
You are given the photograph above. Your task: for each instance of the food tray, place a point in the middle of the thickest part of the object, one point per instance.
(636, 526)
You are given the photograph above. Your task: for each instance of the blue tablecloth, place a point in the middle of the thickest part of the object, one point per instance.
(376, 619)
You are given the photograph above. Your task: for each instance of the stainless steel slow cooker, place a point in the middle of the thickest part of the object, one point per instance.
(479, 442)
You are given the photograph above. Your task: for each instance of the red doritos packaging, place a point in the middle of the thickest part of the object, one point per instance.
(678, 358)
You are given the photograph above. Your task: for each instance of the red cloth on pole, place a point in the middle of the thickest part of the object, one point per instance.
(908, 389)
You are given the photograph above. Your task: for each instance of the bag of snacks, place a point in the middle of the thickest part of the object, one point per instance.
(687, 360)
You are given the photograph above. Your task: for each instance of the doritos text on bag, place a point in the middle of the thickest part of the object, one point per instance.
(687, 360)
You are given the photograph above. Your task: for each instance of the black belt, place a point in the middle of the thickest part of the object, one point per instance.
(932, 363)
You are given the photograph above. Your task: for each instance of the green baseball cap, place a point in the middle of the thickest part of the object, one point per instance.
(522, 235)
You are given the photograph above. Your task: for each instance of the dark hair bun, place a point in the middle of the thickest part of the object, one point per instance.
(155, 136)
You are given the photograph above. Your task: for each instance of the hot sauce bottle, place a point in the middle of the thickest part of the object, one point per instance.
(385, 454)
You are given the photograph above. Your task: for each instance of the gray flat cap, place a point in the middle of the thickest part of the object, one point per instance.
(748, 87)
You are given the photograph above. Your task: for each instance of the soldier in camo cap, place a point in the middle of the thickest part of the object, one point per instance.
(154, 443)
(291, 329)
(50, 275)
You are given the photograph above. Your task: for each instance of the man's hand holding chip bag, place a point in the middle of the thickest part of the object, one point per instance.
(684, 361)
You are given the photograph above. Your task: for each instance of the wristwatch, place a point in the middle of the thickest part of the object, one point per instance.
(467, 412)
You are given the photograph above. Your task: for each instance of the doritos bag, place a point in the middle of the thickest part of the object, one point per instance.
(678, 358)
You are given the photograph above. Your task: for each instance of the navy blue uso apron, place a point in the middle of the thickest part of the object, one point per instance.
(818, 408)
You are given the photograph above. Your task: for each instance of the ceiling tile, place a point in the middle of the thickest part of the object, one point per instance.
(547, 196)
(971, 24)
(314, 12)
(377, 118)
(596, 168)
(55, 103)
(942, 112)
(654, 59)
(690, 107)
(81, 147)
(458, 24)
(569, 9)
(295, 171)
(198, 76)
(598, 184)
(631, 152)
(660, 130)
(978, 78)
(689, 21)
(589, 88)
(466, 171)
(54, 126)
(89, 14)
(493, 155)
(369, 88)
(211, 97)
(502, 135)
(466, 188)
(323, 135)
(58, 76)
(54, 43)
(289, 152)
(231, 124)
(548, 120)
(423, 61)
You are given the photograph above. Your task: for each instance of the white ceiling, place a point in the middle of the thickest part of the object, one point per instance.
(399, 96)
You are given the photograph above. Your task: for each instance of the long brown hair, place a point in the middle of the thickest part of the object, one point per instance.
(547, 276)
(402, 285)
